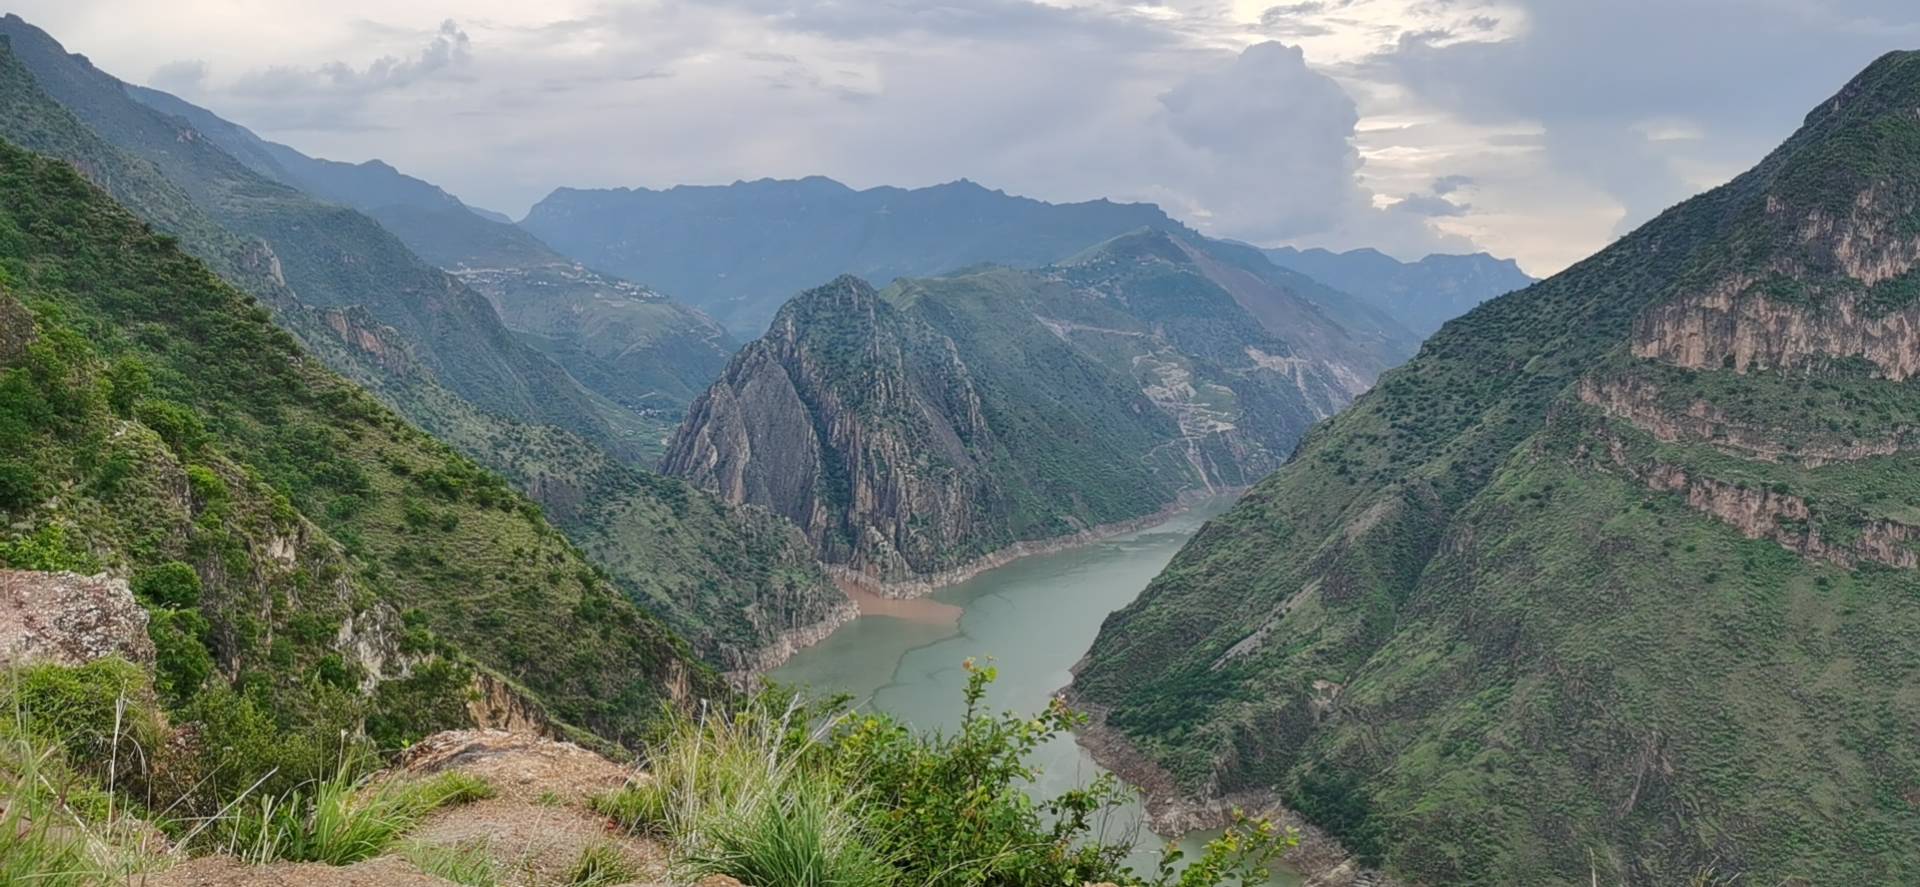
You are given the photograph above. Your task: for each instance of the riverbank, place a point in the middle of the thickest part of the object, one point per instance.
(928, 583)
(868, 596)
(1172, 811)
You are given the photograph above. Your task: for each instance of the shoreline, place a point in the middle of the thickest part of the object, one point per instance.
(854, 585)
(927, 583)
(1319, 858)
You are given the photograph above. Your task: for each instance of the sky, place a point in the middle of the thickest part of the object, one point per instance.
(1532, 129)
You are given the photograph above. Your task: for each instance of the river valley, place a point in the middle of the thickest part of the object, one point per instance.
(1032, 618)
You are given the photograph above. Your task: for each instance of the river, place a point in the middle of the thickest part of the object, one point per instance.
(1032, 618)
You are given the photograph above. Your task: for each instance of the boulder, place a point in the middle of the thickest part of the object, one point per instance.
(69, 619)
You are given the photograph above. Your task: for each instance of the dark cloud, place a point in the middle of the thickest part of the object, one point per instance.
(1450, 184)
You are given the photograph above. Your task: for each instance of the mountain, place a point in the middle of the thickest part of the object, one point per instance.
(1423, 294)
(922, 431)
(295, 539)
(737, 581)
(631, 344)
(1614, 581)
(737, 251)
(334, 257)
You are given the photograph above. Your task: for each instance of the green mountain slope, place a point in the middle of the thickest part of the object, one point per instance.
(916, 431)
(630, 344)
(732, 579)
(153, 414)
(1616, 577)
(334, 257)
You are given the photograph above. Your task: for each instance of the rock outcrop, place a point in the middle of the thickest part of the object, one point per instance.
(69, 619)
(919, 434)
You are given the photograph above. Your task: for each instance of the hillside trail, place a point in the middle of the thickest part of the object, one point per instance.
(535, 828)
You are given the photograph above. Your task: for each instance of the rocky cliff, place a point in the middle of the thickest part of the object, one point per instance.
(917, 433)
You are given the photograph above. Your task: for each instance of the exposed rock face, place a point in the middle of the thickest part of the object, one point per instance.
(69, 619)
(919, 434)
(1782, 517)
(1733, 325)
(870, 438)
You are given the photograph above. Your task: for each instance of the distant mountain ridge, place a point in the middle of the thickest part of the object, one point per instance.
(1423, 294)
(737, 251)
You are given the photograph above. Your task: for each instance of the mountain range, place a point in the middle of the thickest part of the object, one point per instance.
(1422, 295)
(738, 251)
(737, 581)
(1614, 582)
(918, 432)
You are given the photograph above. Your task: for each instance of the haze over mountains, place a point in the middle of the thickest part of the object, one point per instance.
(1422, 295)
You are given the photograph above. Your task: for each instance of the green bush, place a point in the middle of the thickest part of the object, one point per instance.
(172, 585)
(129, 381)
(182, 663)
(19, 485)
(48, 548)
(176, 424)
(764, 796)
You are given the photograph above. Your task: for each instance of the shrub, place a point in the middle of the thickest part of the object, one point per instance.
(957, 804)
(129, 382)
(341, 820)
(48, 548)
(19, 485)
(172, 585)
(176, 424)
(182, 663)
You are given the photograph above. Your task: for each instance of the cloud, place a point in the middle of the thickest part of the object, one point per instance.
(448, 49)
(1268, 145)
(1627, 96)
(186, 76)
(1535, 128)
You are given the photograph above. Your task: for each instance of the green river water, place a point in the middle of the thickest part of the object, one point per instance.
(1033, 618)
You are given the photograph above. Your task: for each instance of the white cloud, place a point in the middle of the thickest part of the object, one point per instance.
(1572, 121)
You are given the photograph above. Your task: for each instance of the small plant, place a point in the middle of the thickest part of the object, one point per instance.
(468, 862)
(639, 807)
(600, 864)
(343, 820)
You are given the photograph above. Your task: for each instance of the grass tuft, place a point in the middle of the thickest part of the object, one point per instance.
(600, 864)
(343, 820)
(469, 862)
